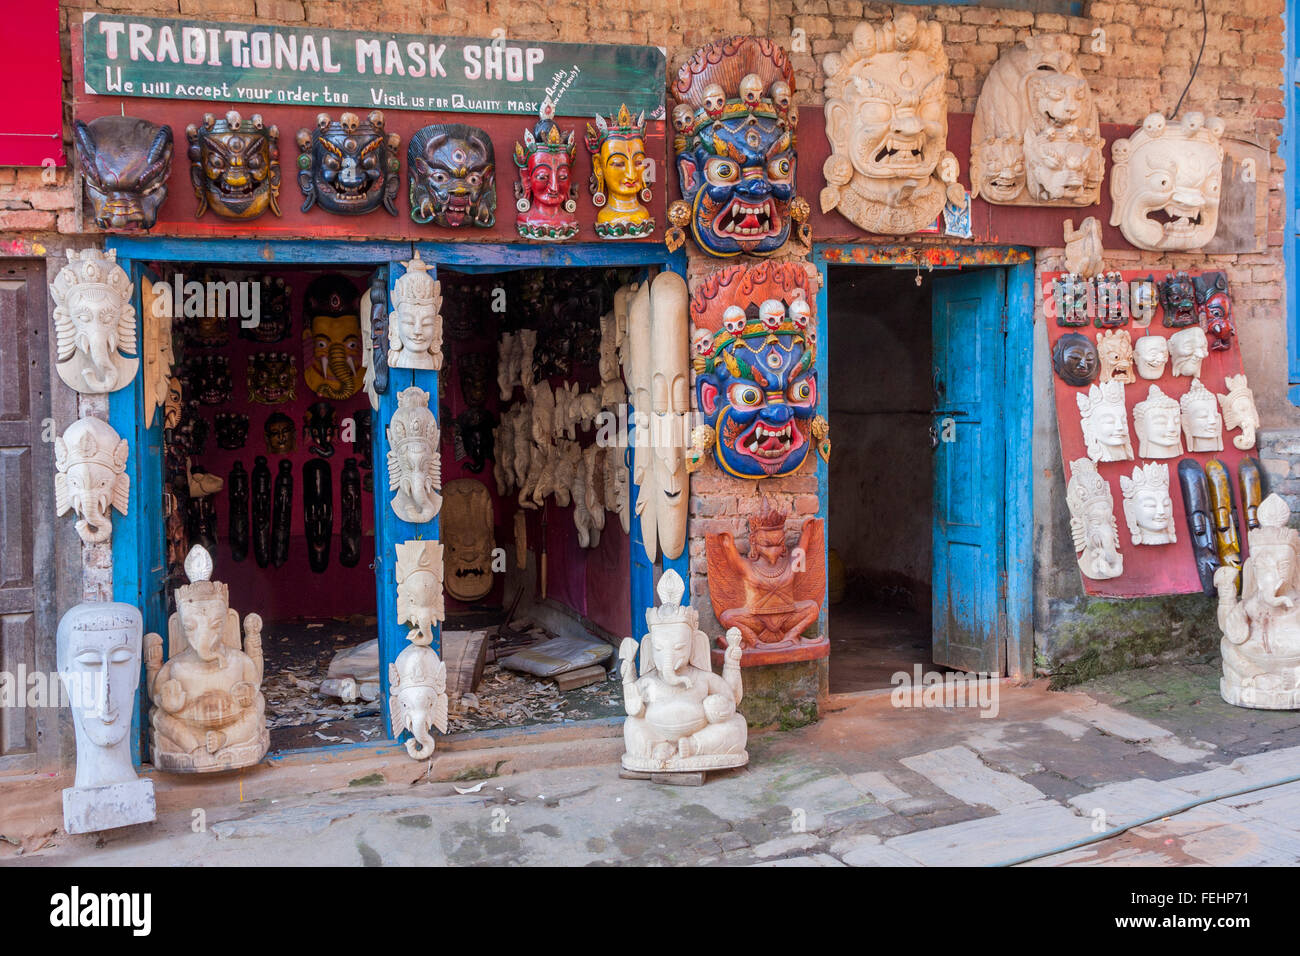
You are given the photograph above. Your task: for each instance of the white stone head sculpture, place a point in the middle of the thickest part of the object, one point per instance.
(414, 461)
(415, 325)
(419, 589)
(1150, 356)
(91, 479)
(94, 323)
(1157, 420)
(99, 647)
(1148, 510)
(1165, 182)
(1187, 348)
(1105, 422)
(1115, 351)
(1092, 522)
(1239, 411)
(1202, 423)
(887, 122)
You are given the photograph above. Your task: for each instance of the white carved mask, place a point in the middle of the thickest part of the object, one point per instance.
(1151, 354)
(99, 663)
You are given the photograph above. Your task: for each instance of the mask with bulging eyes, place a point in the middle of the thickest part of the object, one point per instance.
(452, 174)
(235, 166)
(350, 166)
(125, 163)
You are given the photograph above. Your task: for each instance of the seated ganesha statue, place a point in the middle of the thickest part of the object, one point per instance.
(681, 716)
(208, 709)
(1261, 629)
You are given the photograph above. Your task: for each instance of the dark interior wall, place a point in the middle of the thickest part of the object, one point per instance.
(880, 397)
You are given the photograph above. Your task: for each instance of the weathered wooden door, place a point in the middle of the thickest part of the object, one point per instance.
(26, 510)
(970, 492)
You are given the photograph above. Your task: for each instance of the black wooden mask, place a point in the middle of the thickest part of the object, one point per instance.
(261, 497)
(282, 513)
(348, 167)
(317, 512)
(350, 506)
(124, 163)
(274, 320)
(237, 493)
(320, 425)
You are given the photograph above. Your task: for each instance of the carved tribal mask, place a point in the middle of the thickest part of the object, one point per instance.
(124, 164)
(735, 140)
(452, 173)
(272, 378)
(349, 167)
(94, 323)
(235, 166)
(414, 461)
(332, 346)
(1148, 510)
(1165, 182)
(274, 318)
(618, 167)
(545, 196)
(1215, 308)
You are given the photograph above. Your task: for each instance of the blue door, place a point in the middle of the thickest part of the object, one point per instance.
(970, 475)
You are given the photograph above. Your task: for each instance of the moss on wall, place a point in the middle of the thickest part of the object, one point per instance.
(1098, 636)
(784, 695)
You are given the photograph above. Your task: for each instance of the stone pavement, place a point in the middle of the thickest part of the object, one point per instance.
(1137, 768)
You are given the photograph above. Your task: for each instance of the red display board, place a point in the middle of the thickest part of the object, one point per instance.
(31, 72)
(1148, 569)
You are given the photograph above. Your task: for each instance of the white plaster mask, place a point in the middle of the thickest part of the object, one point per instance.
(1150, 356)
(887, 122)
(417, 698)
(419, 588)
(1165, 182)
(415, 324)
(1202, 423)
(91, 479)
(1148, 510)
(1105, 422)
(1092, 522)
(1187, 348)
(414, 461)
(1158, 421)
(1239, 411)
(94, 323)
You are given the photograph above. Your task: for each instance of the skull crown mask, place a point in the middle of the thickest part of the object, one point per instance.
(235, 166)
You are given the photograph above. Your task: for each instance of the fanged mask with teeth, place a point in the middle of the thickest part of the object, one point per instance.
(235, 166)
(736, 146)
(349, 167)
(274, 320)
(331, 341)
(1165, 182)
(272, 378)
(452, 174)
(124, 164)
(209, 378)
(1178, 299)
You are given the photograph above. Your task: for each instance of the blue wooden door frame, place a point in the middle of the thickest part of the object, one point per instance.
(138, 537)
(1017, 407)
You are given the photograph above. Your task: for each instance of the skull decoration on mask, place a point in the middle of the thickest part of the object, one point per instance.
(349, 167)
(618, 167)
(321, 426)
(232, 430)
(124, 164)
(91, 478)
(1092, 522)
(887, 122)
(1165, 182)
(1178, 299)
(281, 434)
(272, 378)
(1072, 297)
(275, 319)
(415, 323)
(94, 323)
(235, 166)
(209, 378)
(757, 386)
(414, 461)
(452, 173)
(332, 346)
(1034, 137)
(736, 148)
(1215, 308)
(546, 198)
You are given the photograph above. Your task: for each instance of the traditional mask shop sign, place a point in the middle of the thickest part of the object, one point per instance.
(1146, 406)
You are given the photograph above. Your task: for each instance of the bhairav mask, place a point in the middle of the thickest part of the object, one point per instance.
(736, 146)
(452, 175)
(1178, 299)
(618, 184)
(232, 430)
(468, 539)
(124, 164)
(272, 378)
(887, 122)
(1215, 308)
(331, 340)
(1115, 349)
(1074, 359)
(94, 323)
(1165, 181)
(545, 196)
(321, 425)
(235, 166)
(275, 319)
(349, 167)
(756, 384)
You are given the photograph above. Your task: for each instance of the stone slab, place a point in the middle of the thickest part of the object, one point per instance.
(90, 809)
(1021, 831)
(1124, 804)
(960, 772)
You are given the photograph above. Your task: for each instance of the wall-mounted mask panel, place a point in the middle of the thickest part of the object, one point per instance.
(468, 538)
(735, 143)
(1202, 423)
(415, 325)
(1165, 182)
(1148, 509)
(331, 339)
(887, 122)
(124, 165)
(1196, 504)
(452, 173)
(1187, 349)
(1034, 137)
(1158, 421)
(546, 198)
(618, 167)
(272, 378)
(90, 477)
(1239, 411)
(1092, 522)
(414, 461)
(1104, 420)
(349, 167)
(94, 323)
(757, 385)
(235, 166)
(1150, 356)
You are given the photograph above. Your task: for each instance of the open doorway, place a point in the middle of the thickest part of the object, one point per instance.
(880, 475)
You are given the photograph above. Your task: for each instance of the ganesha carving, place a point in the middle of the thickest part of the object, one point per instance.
(94, 323)
(414, 461)
(333, 351)
(417, 680)
(90, 477)
(887, 122)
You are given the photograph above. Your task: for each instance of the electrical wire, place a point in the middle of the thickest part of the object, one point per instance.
(1205, 30)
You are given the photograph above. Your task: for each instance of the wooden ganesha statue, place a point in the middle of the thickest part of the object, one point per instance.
(682, 717)
(208, 709)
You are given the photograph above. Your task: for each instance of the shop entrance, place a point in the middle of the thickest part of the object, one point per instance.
(924, 495)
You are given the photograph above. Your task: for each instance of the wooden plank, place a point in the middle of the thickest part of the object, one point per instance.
(570, 680)
(465, 654)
